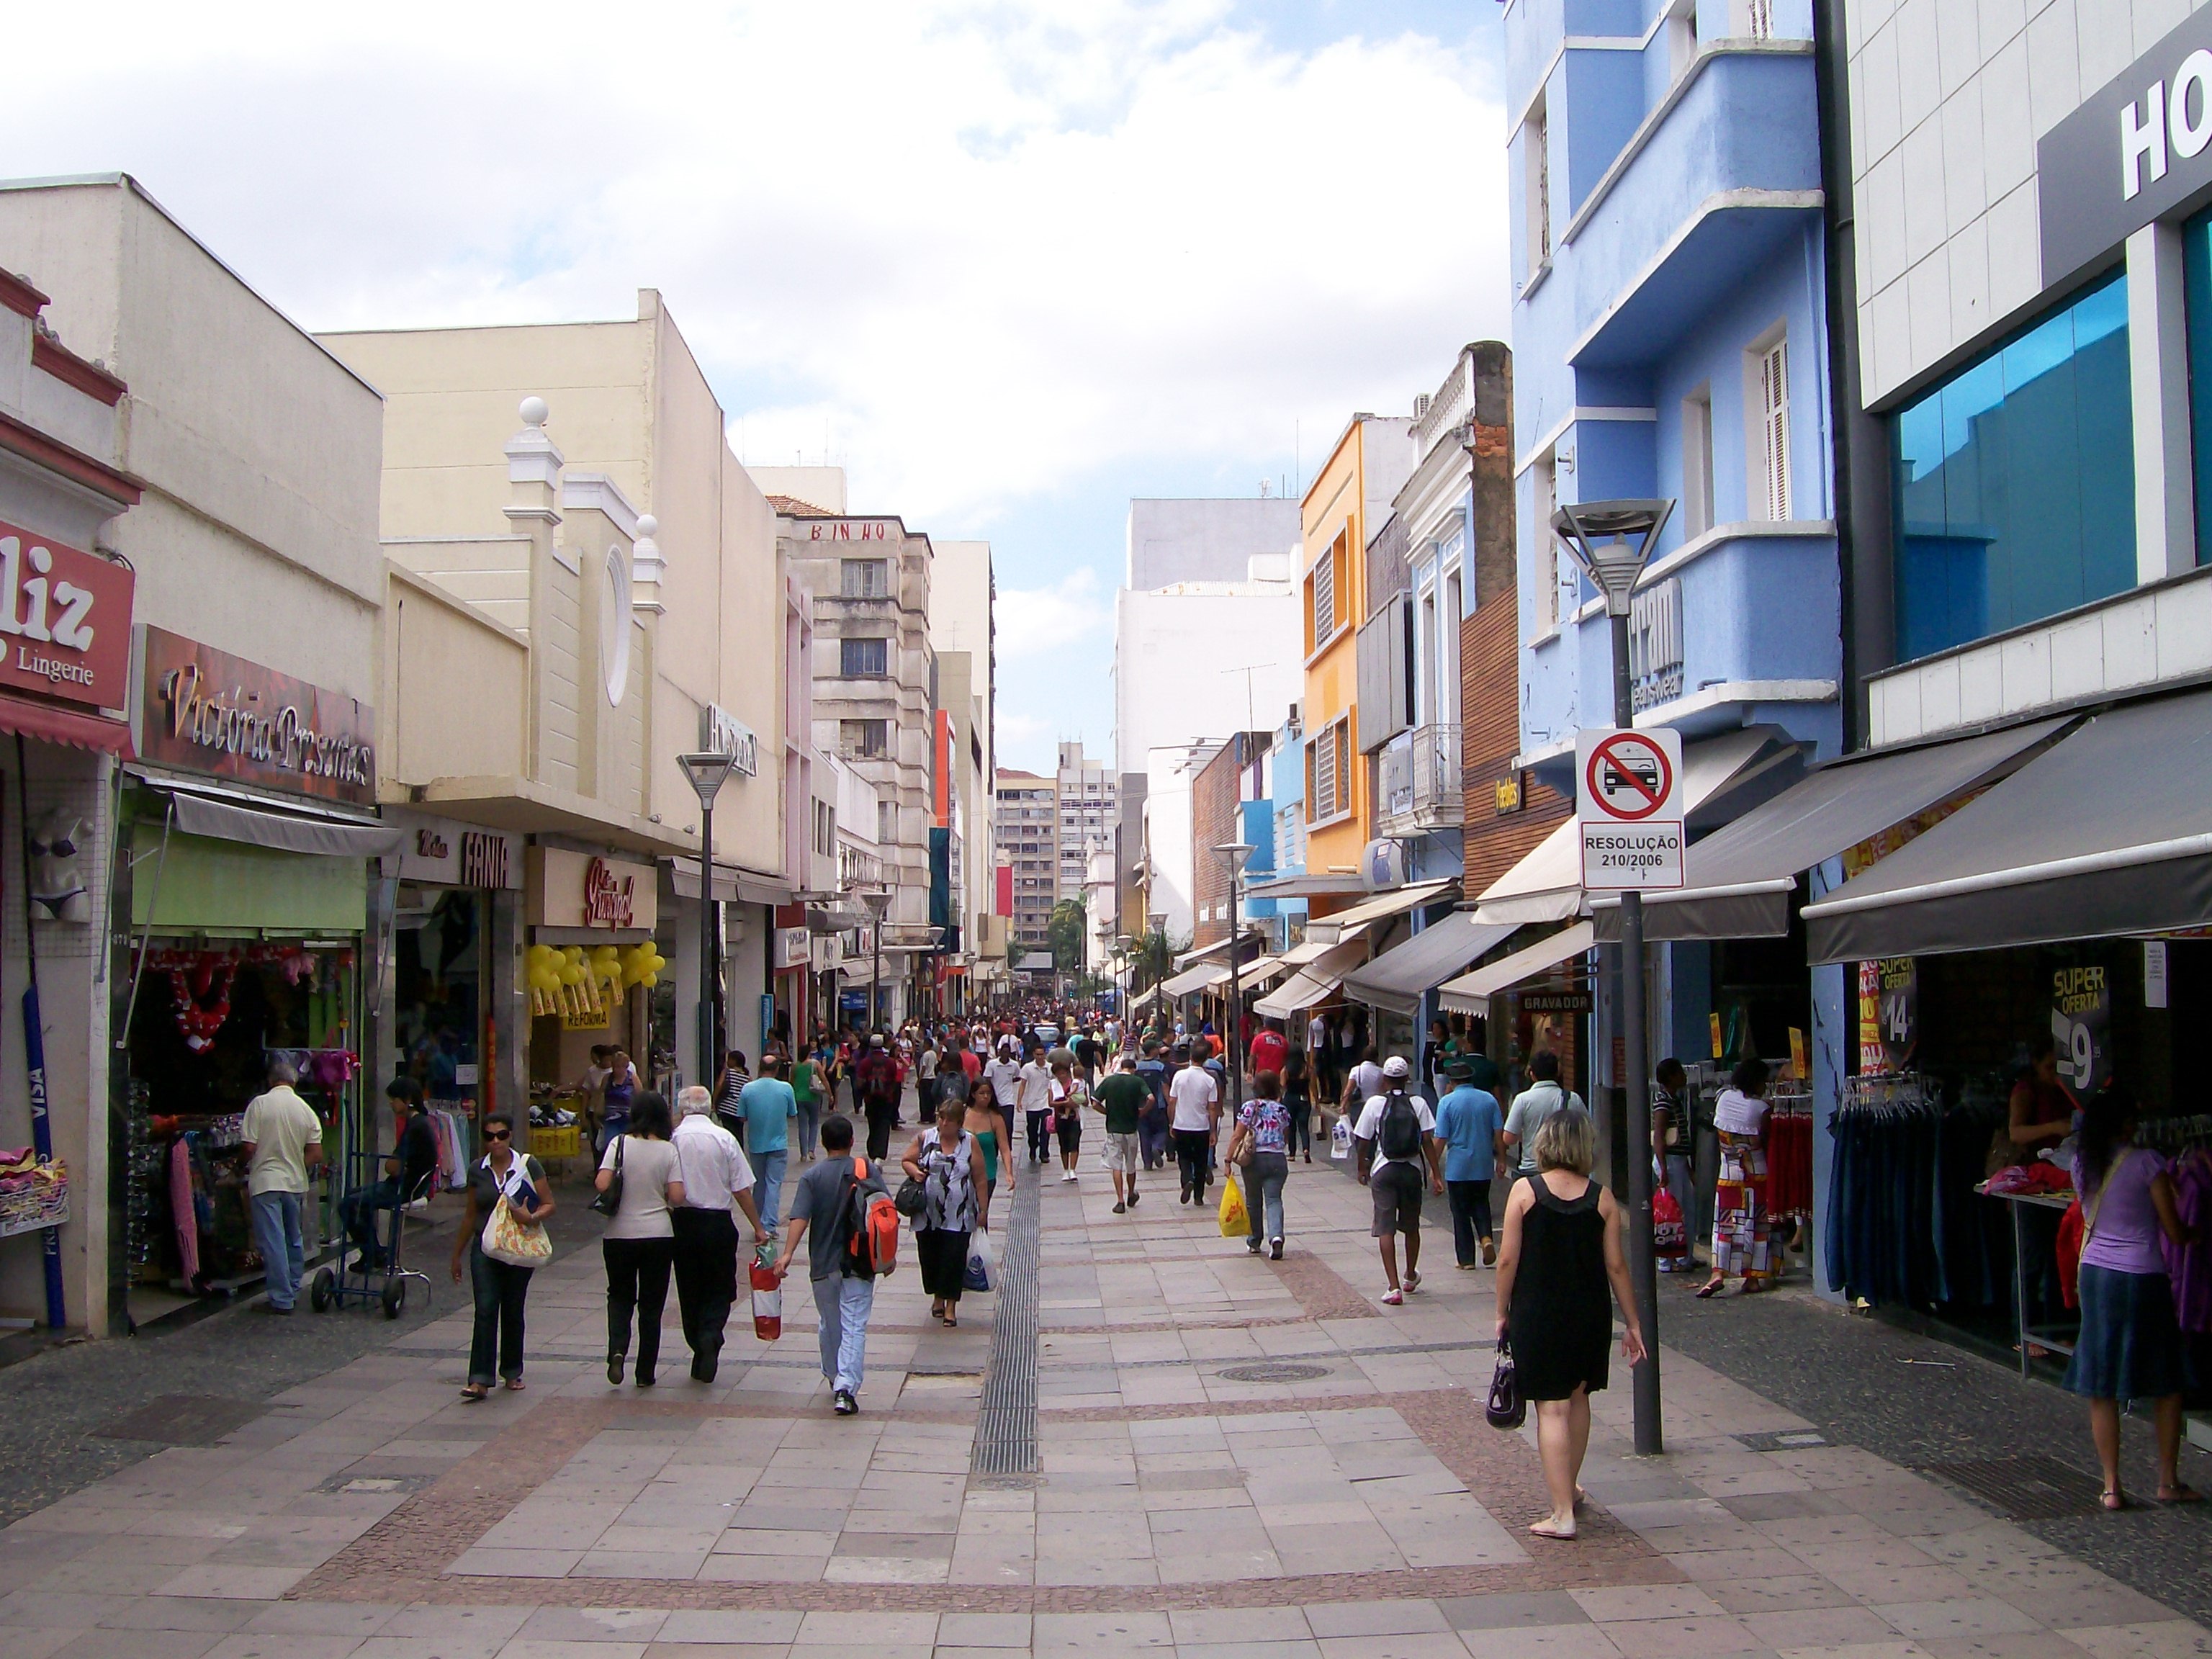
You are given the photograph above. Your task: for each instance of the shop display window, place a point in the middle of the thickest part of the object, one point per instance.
(2015, 481)
(437, 1007)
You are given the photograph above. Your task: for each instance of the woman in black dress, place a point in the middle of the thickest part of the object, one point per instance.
(1561, 1248)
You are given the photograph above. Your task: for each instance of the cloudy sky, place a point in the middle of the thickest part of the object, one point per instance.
(1010, 262)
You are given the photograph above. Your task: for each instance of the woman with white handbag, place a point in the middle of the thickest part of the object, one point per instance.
(503, 1235)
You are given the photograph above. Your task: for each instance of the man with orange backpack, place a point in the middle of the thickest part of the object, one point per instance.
(842, 1202)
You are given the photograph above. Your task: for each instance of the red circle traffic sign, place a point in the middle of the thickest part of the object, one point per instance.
(1637, 766)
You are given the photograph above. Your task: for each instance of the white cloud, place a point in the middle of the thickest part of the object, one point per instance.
(975, 248)
(1047, 622)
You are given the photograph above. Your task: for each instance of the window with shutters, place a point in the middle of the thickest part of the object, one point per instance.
(1328, 772)
(865, 579)
(1320, 587)
(1766, 397)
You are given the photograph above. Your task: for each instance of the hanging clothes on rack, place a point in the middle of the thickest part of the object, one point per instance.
(2190, 1266)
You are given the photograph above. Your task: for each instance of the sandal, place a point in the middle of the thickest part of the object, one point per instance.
(513, 1385)
(1547, 1529)
(951, 1322)
(2114, 1501)
(2183, 1493)
(1711, 1288)
(474, 1393)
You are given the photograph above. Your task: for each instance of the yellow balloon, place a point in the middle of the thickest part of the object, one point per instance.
(650, 981)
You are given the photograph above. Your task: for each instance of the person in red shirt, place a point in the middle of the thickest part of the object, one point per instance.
(1269, 1050)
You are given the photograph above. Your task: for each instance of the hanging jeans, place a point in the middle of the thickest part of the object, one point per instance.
(496, 1345)
(1263, 1196)
(283, 1251)
(637, 1282)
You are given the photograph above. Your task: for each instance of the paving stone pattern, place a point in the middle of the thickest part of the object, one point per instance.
(1368, 1512)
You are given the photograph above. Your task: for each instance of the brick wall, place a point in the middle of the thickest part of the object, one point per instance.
(1214, 821)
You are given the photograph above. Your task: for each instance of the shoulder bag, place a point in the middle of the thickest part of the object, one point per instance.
(507, 1237)
(609, 1202)
(1505, 1408)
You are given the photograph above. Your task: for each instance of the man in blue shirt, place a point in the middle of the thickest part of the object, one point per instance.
(1468, 1125)
(768, 1105)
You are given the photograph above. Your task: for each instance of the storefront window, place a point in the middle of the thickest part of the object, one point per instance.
(437, 1005)
(2015, 481)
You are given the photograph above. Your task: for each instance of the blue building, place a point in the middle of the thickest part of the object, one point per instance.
(1670, 340)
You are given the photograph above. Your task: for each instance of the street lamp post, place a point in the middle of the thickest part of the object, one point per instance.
(1232, 856)
(708, 771)
(1611, 541)
(878, 900)
(1125, 974)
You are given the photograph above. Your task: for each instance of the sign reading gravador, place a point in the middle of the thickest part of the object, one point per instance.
(583, 891)
(64, 620)
(207, 711)
(1628, 802)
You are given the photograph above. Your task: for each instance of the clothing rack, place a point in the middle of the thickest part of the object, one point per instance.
(1891, 1091)
(2174, 1134)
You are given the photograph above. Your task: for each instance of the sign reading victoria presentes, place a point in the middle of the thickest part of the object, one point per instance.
(2134, 151)
(207, 711)
(64, 620)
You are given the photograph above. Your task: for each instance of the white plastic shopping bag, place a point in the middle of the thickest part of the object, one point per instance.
(1340, 1138)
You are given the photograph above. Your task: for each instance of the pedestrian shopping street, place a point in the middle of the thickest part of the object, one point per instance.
(1145, 1440)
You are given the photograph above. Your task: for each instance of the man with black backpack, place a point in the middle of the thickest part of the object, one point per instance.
(1396, 1140)
(831, 1201)
(876, 1083)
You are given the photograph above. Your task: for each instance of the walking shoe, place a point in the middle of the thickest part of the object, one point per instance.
(1133, 1196)
(843, 1404)
(1121, 1209)
(1412, 1280)
(1393, 1297)
(1464, 1267)
(615, 1368)
(1275, 1250)
(1251, 1247)
(1489, 1253)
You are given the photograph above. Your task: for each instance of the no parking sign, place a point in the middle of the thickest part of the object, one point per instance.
(1628, 790)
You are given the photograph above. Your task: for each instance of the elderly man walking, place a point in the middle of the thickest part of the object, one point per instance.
(283, 1141)
(715, 1176)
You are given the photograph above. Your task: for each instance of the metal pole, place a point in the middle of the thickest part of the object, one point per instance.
(707, 943)
(876, 980)
(1643, 1268)
(1236, 1010)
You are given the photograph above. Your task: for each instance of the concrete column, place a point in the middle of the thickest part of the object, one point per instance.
(2158, 369)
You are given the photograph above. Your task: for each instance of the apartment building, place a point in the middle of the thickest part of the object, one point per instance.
(1086, 814)
(1026, 834)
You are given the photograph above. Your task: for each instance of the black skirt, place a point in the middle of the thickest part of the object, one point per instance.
(1561, 1320)
(944, 1258)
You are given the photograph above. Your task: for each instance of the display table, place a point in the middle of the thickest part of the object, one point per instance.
(2042, 1337)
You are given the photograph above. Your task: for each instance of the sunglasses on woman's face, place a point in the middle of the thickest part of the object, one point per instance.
(496, 1135)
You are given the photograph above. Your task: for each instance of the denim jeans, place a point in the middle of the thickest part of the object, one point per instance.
(283, 1251)
(767, 1174)
(810, 1125)
(1263, 1195)
(357, 1210)
(496, 1345)
(843, 1305)
(1470, 1214)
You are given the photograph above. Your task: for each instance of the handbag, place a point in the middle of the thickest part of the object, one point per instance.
(608, 1203)
(507, 1237)
(1505, 1408)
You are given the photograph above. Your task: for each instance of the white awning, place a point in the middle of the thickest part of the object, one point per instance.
(1397, 980)
(1470, 993)
(1313, 950)
(1381, 908)
(1253, 975)
(1203, 977)
(1547, 886)
(1313, 983)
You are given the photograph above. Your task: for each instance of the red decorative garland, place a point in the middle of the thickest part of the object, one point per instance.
(199, 1021)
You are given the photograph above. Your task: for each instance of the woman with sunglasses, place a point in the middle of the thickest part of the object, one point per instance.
(500, 1287)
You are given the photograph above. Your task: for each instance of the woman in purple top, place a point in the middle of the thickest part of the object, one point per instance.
(2130, 1346)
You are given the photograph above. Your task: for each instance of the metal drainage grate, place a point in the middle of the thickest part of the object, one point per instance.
(184, 1420)
(1006, 1451)
(2029, 1487)
(1274, 1372)
(1784, 1440)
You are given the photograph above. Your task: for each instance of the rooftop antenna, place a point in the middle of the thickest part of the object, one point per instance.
(1248, 670)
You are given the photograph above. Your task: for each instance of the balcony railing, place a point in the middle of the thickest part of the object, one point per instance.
(1417, 781)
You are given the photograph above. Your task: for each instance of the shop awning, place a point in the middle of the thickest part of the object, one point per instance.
(1400, 901)
(1397, 980)
(1203, 977)
(1547, 886)
(50, 724)
(197, 812)
(1739, 877)
(1313, 950)
(1316, 982)
(733, 884)
(1471, 994)
(1305, 886)
(1253, 975)
(2108, 833)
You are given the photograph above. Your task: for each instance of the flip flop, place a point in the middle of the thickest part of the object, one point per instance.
(1710, 1289)
(2114, 1502)
(2184, 1493)
(1545, 1528)
(473, 1394)
(514, 1385)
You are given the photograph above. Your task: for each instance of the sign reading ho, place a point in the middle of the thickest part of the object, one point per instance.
(721, 732)
(2135, 149)
(1628, 802)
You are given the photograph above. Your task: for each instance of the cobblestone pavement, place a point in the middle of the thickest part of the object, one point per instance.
(1234, 1457)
